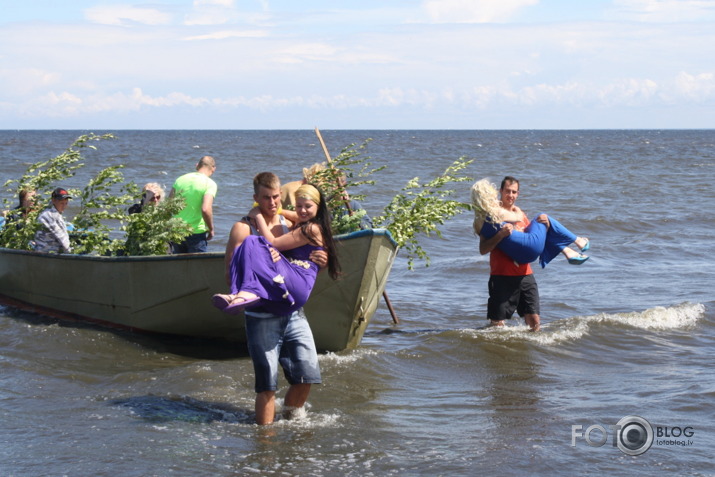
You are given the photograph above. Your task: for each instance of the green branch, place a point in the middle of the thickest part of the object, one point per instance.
(421, 208)
(102, 225)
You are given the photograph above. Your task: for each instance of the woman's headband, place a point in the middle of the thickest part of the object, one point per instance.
(308, 191)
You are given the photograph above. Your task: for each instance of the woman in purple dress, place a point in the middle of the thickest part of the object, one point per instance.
(283, 286)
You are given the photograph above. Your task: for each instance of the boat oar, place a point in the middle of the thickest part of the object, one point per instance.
(350, 212)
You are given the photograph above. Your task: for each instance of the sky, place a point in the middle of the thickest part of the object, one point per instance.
(357, 64)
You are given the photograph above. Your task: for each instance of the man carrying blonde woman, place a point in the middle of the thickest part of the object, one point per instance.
(512, 242)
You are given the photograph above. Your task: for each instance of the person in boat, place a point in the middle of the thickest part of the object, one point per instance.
(26, 204)
(152, 194)
(512, 242)
(198, 190)
(288, 190)
(52, 236)
(346, 207)
(275, 341)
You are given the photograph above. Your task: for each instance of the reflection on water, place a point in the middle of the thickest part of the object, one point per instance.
(174, 408)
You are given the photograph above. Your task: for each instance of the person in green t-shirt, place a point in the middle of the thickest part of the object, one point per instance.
(198, 190)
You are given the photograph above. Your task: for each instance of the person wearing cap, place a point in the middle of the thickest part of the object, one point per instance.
(52, 235)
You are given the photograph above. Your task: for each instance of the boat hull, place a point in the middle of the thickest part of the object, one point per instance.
(170, 294)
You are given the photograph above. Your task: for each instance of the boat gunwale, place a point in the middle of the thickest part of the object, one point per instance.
(369, 238)
(183, 256)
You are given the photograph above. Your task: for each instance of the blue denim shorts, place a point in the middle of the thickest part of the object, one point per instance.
(285, 340)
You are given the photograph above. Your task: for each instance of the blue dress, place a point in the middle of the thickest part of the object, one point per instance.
(536, 241)
(284, 286)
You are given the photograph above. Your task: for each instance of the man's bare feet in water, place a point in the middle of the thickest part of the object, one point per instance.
(533, 321)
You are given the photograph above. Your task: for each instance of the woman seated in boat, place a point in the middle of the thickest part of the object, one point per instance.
(544, 238)
(152, 194)
(281, 287)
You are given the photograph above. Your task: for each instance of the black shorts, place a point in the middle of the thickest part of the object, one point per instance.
(509, 294)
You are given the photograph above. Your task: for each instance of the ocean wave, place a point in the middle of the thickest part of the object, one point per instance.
(306, 419)
(659, 318)
(346, 358)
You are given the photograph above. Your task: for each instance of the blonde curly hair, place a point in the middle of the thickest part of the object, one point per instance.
(309, 172)
(155, 189)
(485, 203)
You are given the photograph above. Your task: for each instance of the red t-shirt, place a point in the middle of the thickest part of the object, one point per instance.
(501, 264)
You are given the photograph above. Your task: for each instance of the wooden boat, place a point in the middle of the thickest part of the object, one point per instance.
(170, 294)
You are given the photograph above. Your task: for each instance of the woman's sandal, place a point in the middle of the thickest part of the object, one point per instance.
(233, 304)
(239, 304)
(222, 301)
(578, 259)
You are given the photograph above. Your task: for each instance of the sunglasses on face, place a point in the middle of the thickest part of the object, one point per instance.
(151, 197)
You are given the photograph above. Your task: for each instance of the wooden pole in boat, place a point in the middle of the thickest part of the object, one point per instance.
(350, 212)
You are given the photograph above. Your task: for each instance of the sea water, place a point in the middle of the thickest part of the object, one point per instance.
(627, 335)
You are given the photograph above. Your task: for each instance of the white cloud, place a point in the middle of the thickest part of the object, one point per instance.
(665, 10)
(137, 99)
(699, 87)
(302, 52)
(121, 14)
(289, 61)
(394, 97)
(210, 12)
(628, 92)
(23, 81)
(618, 95)
(62, 98)
(53, 105)
(474, 11)
(225, 34)
(65, 104)
(218, 3)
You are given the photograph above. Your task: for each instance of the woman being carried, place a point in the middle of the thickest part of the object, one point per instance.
(544, 238)
(283, 286)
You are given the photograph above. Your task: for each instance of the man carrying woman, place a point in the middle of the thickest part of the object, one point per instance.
(277, 332)
(513, 242)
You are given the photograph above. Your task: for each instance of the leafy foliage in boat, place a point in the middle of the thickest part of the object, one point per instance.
(417, 210)
(102, 225)
(102, 203)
